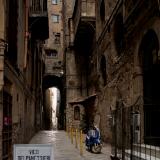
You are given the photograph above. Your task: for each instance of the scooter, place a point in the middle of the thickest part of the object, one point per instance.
(93, 141)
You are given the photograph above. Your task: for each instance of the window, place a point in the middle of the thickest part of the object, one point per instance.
(76, 113)
(150, 65)
(119, 34)
(7, 126)
(55, 18)
(51, 53)
(54, 1)
(57, 39)
(103, 69)
(102, 10)
(12, 30)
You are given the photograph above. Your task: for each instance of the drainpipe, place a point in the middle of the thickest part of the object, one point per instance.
(158, 4)
(2, 49)
(124, 9)
(26, 32)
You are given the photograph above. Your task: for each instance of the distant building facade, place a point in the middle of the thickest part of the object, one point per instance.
(54, 56)
(54, 44)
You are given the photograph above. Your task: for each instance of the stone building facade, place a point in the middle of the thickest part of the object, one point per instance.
(54, 56)
(128, 46)
(21, 67)
(122, 64)
(54, 44)
(79, 33)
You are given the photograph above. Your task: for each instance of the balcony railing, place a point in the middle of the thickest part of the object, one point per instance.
(38, 16)
(38, 8)
(136, 133)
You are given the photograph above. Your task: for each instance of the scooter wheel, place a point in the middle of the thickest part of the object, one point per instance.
(97, 148)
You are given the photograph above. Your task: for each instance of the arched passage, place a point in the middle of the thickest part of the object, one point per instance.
(150, 63)
(49, 82)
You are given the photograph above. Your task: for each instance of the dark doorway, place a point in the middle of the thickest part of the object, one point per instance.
(150, 61)
(103, 69)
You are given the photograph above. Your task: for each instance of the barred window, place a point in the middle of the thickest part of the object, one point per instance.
(55, 18)
(51, 53)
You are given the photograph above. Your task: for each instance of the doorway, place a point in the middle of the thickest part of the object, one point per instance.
(150, 61)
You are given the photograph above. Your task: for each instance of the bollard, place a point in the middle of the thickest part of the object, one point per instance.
(76, 139)
(69, 132)
(72, 135)
(81, 143)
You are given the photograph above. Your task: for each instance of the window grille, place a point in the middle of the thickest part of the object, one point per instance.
(7, 126)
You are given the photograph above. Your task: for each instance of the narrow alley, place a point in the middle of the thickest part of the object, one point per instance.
(86, 66)
(63, 149)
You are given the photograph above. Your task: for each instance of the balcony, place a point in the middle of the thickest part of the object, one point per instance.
(83, 23)
(38, 8)
(38, 19)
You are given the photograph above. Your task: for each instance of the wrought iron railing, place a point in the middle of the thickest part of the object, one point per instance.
(129, 133)
(38, 7)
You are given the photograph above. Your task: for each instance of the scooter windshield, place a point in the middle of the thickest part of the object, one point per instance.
(92, 133)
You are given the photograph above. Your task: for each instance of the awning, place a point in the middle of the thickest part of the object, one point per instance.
(83, 100)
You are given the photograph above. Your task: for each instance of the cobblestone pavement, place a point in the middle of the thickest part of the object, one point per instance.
(63, 148)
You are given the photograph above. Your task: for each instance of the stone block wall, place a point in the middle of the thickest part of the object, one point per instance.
(124, 75)
(70, 117)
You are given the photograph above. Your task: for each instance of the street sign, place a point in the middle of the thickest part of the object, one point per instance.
(33, 152)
